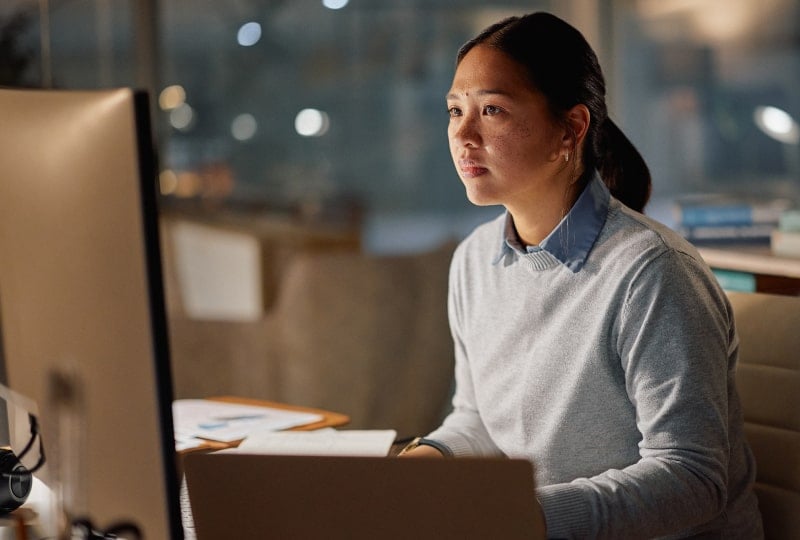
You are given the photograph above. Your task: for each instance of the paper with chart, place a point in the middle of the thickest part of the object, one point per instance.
(196, 420)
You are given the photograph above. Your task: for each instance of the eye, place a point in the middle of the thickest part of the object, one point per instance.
(491, 110)
(453, 111)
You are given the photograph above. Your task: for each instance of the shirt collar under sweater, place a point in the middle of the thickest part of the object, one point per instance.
(572, 239)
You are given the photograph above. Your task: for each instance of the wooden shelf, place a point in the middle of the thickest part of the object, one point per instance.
(777, 275)
(754, 259)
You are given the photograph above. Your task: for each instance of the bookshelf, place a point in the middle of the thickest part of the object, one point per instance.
(772, 274)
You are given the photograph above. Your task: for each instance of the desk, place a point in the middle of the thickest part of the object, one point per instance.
(16, 523)
(776, 275)
(329, 419)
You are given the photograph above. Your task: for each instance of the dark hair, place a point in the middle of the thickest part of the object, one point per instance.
(561, 64)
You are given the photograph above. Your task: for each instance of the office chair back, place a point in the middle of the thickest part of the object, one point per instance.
(768, 379)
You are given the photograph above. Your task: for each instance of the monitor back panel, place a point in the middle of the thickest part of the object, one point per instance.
(76, 289)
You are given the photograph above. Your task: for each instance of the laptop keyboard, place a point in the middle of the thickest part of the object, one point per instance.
(186, 513)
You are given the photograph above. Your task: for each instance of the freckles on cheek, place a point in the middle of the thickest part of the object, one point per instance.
(509, 149)
(524, 132)
(500, 145)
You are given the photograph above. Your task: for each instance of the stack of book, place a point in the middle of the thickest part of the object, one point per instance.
(715, 219)
(785, 240)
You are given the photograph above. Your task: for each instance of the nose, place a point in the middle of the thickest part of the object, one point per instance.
(464, 132)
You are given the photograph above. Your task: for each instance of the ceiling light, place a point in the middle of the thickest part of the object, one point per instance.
(777, 123)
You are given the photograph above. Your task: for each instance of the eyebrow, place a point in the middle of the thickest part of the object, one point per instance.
(487, 92)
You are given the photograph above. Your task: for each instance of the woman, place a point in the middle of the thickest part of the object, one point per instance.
(589, 339)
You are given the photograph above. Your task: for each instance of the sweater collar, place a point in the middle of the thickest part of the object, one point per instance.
(572, 239)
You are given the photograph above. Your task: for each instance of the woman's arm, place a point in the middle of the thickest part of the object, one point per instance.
(462, 433)
(674, 339)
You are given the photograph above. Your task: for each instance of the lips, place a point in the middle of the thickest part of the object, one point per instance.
(471, 169)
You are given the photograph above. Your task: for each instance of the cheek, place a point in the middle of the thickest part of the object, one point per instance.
(453, 148)
(451, 138)
(515, 145)
(525, 131)
(528, 144)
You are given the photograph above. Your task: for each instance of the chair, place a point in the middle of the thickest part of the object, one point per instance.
(360, 334)
(368, 336)
(768, 379)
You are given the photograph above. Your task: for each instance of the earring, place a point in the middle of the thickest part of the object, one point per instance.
(566, 157)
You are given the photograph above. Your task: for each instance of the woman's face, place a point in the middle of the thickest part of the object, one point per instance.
(504, 141)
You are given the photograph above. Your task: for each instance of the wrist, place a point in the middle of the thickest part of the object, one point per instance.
(421, 443)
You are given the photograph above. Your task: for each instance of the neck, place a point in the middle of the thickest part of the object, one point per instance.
(537, 218)
(532, 229)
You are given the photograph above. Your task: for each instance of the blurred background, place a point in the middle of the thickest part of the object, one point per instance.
(333, 110)
(286, 129)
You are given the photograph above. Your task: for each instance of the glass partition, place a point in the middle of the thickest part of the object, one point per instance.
(322, 112)
(708, 90)
(330, 111)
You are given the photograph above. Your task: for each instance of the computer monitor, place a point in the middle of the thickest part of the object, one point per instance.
(82, 296)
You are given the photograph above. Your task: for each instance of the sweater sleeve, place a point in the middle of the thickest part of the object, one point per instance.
(676, 345)
(463, 432)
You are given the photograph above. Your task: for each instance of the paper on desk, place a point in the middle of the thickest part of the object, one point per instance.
(228, 422)
(324, 442)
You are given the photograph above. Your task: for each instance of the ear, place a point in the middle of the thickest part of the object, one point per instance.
(577, 123)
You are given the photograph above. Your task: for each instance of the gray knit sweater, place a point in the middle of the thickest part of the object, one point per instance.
(606, 356)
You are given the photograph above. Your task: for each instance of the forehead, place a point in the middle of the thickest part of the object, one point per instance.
(486, 68)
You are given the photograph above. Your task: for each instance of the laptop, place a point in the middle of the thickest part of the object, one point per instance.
(248, 496)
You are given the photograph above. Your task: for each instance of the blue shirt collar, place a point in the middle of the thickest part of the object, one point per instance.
(572, 239)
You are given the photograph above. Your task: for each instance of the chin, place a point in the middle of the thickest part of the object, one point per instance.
(479, 200)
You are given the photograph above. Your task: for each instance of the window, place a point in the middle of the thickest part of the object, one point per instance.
(708, 91)
(331, 111)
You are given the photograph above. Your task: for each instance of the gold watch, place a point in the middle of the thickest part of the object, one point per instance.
(410, 446)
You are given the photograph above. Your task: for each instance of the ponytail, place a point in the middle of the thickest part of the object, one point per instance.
(622, 167)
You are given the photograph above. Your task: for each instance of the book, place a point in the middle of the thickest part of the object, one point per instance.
(324, 442)
(733, 280)
(790, 221)
(753, 233)
(785, 243)
(717, 211)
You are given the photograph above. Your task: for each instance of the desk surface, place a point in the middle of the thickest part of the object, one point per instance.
(750, 258)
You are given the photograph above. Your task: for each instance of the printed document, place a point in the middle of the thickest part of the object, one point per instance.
(196, 420)
(323, 442)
